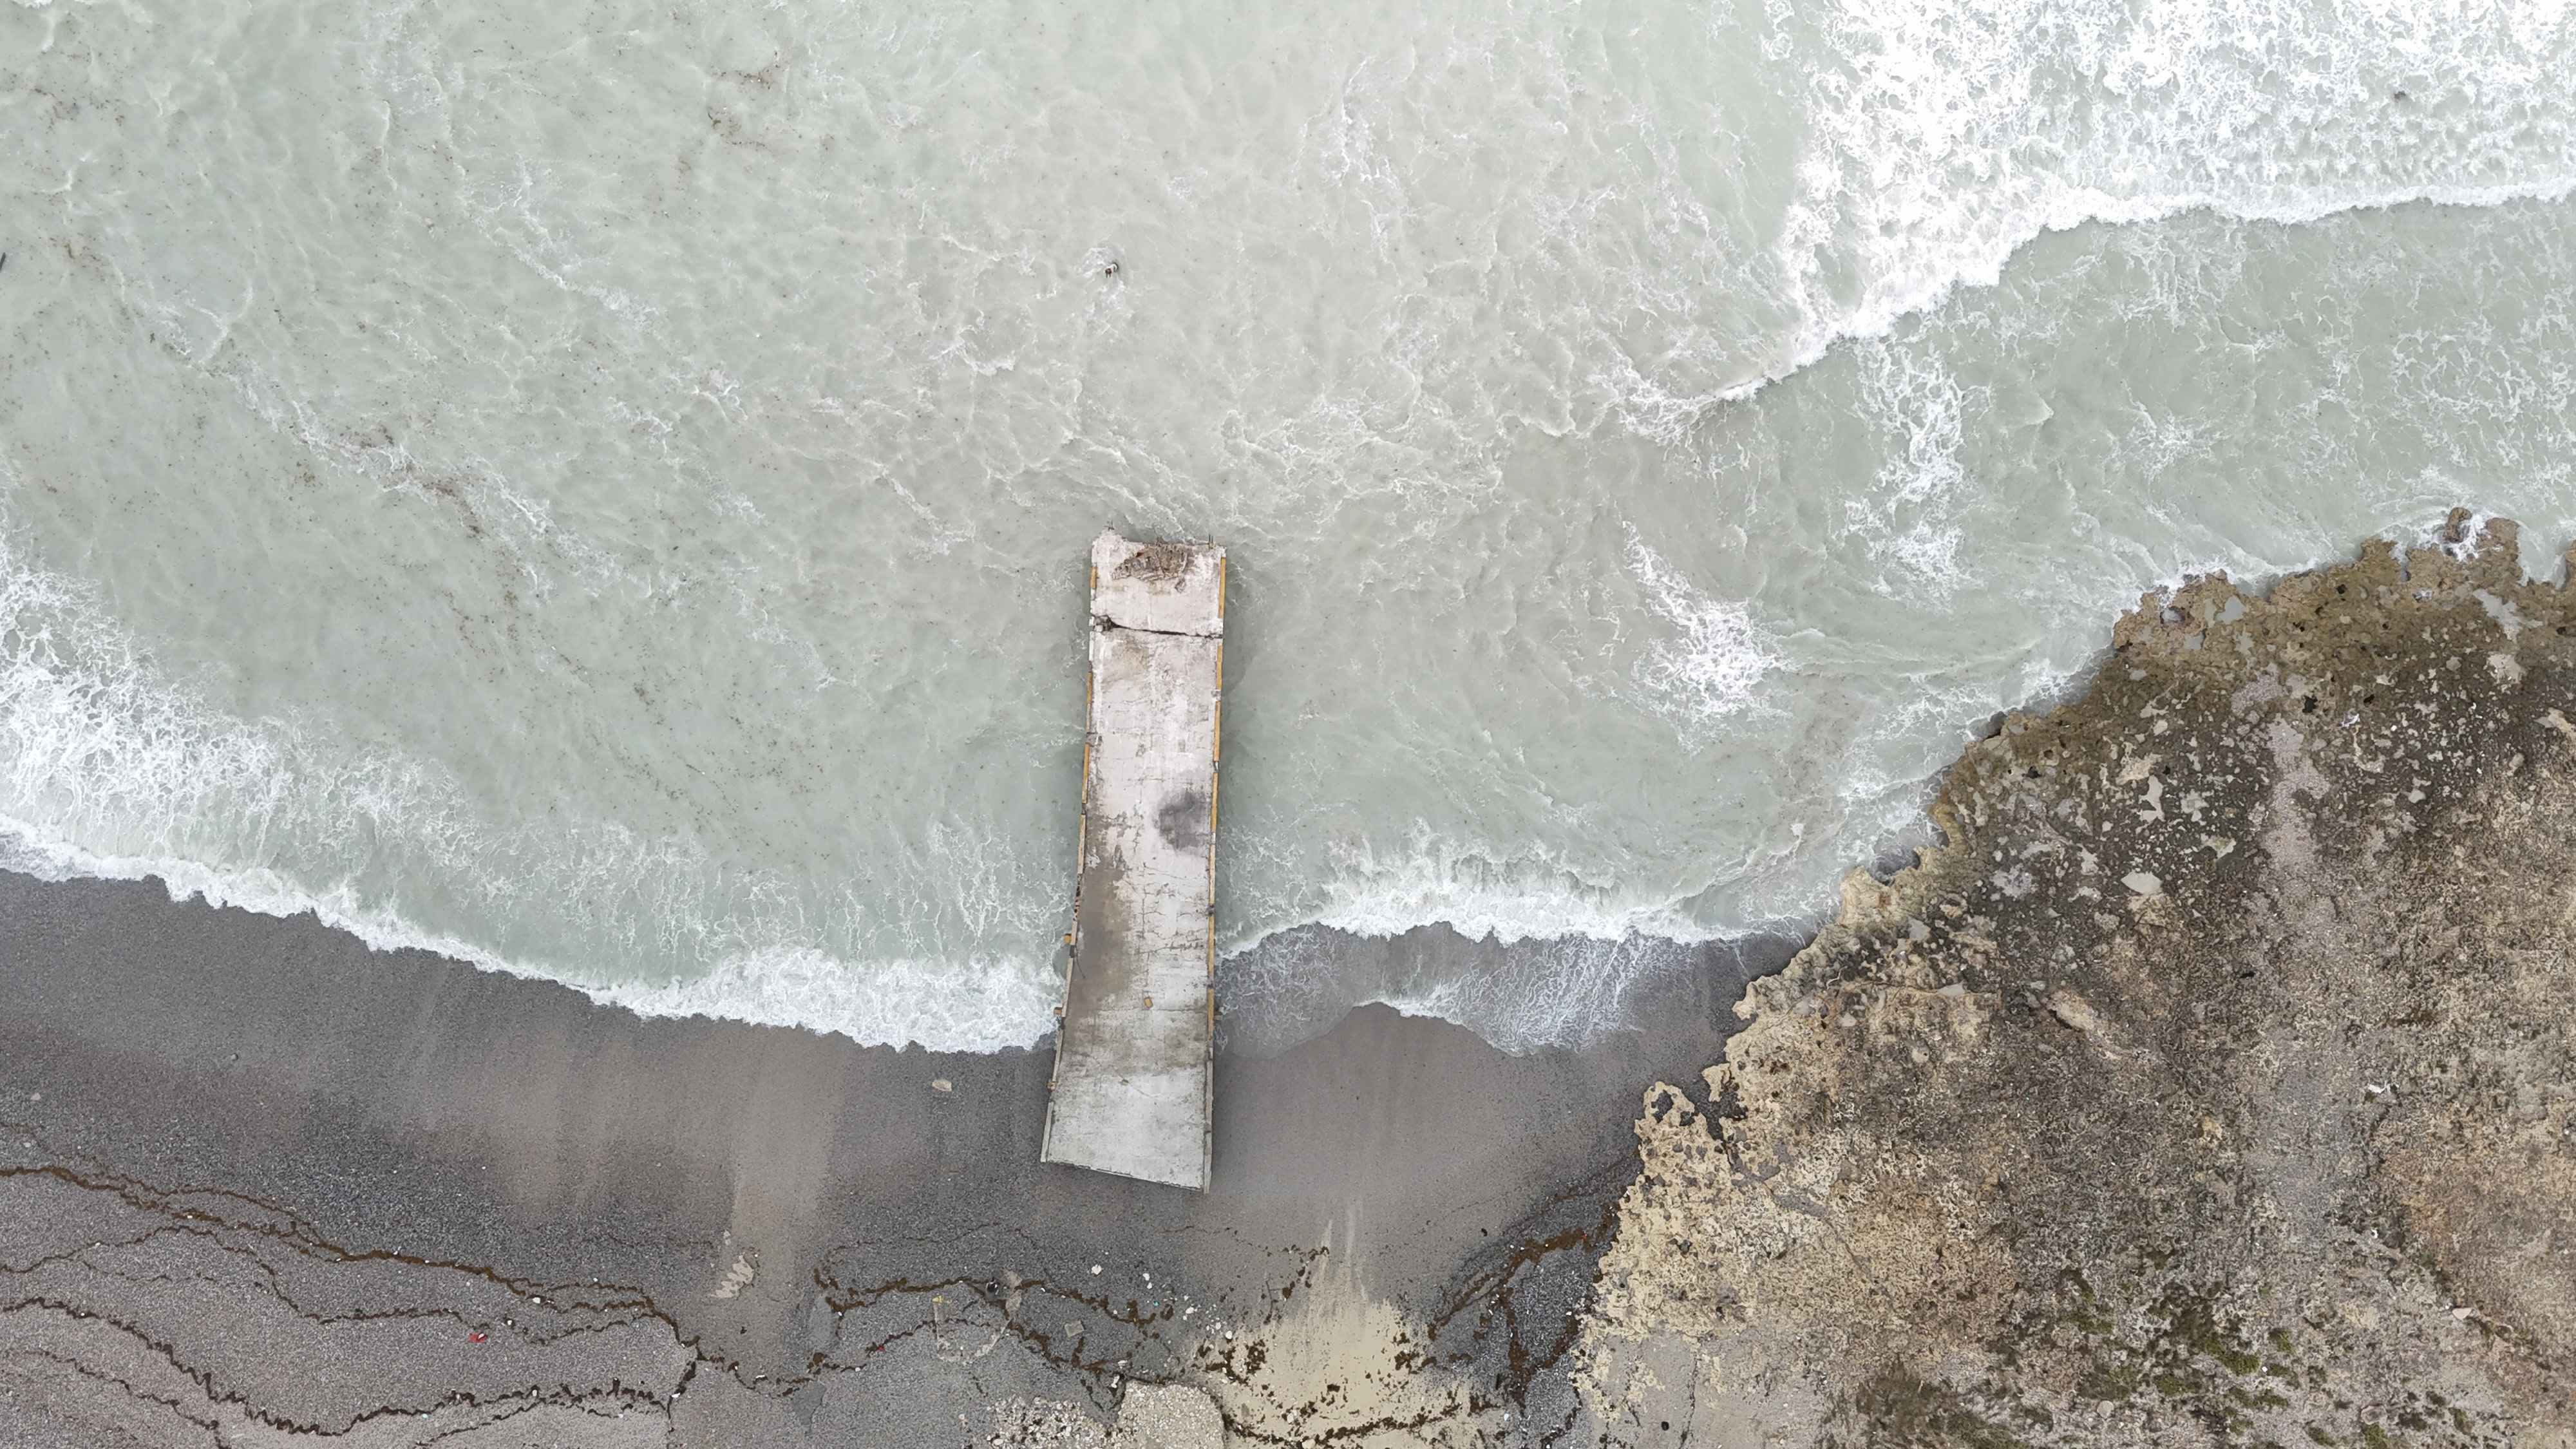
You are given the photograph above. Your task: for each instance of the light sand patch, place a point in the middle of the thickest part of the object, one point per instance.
(1167, 1416)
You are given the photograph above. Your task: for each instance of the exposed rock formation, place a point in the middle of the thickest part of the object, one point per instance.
(2213, 1082)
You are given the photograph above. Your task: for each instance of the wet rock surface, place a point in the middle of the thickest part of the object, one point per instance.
(2213, 1082)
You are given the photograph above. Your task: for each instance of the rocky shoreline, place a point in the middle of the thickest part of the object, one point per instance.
(2212, 1082)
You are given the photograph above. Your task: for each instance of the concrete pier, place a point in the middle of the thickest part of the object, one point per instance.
(1131, 1084)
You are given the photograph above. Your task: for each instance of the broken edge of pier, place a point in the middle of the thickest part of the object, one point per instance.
(1132, 1088)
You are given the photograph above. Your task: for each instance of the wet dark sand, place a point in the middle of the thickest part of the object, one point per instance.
(329, 1186)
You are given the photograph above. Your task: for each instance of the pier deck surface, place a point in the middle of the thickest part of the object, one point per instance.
(1131, 1088)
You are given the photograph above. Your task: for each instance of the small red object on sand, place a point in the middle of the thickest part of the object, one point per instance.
(475, 1337)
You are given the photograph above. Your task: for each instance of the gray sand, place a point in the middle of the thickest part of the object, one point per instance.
(256, 1179)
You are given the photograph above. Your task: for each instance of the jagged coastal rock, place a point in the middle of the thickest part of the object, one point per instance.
(2214, 1081)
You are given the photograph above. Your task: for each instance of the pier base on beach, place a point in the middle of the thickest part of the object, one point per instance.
(1130, 1092)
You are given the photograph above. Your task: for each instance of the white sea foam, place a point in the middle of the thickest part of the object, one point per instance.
(1527, 997)
(1479, 892)
(1944, 137)
(99, 745)
(1909, 520)
(944, 1005)
(1561, 995)
(1707, 668)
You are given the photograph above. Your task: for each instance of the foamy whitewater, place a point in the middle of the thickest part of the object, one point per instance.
(602, 490)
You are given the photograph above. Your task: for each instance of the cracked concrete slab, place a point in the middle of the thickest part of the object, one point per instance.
(1130, 1092)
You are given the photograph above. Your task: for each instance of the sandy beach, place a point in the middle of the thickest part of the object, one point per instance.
(263, 1182)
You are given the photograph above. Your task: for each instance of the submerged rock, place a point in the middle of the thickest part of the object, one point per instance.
(2214, 1081)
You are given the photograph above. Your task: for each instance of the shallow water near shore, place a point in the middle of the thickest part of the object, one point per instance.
(604, 496)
